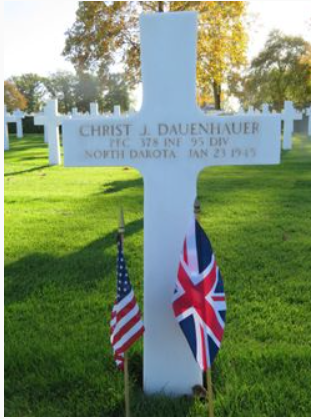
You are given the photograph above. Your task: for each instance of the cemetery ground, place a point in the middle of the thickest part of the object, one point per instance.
(60, 280)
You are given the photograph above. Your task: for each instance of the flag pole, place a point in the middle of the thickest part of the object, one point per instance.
(126, 386)
(126, 369)
(209, 393)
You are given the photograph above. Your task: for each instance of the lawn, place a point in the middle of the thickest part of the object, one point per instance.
(60, 253)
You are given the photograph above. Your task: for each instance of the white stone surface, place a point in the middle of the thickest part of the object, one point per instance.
(289, 115)
(7, 118)
(169, 141)
(19, 124)
(51, 120)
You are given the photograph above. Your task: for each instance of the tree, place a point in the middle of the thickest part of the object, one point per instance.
(13, 98)
(116, 93)
(107, 33)
(88, 89)
(281, 71)
(32, 87)
(222, 44)
(62, 85)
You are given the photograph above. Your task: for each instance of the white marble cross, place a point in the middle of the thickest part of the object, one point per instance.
(169, 141)
(289, 115)
(308, 113)
(265, 108)
(19, 124)
(75, 112)
(51, 120)
(117, 110)
(7, 118)
(94, 109)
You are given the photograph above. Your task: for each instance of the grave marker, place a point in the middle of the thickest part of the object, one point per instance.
(19, 124)
(289, 115)
(169, 141)
(117, 110)
(75, 112)
(7, 119)
(94, 109)
(51, 120)
(265, 108)
(37, 120)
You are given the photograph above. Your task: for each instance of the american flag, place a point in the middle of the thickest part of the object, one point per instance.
(126, 325)
(199, 299)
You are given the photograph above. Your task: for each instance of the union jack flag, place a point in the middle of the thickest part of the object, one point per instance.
(199, 299)
(126, 325)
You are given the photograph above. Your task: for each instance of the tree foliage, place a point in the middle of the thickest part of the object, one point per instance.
(33, 89)
(62, 86)
(13, 98)
(71, 90)
(107, 33)
(281, 71)
(87, 90)
(116, 93)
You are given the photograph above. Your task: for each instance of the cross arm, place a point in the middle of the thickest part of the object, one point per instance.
(196, 142)
(100, 141)
(39, 119)
(237, 140)
(10, 118)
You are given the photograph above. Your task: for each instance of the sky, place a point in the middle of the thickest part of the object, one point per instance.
(35, 30)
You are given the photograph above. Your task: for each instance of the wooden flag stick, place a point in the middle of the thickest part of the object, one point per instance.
(209, 393)
(126, 369)
(121, 224)
(126, 386)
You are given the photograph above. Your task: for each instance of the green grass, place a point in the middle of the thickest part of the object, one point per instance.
(60, 227)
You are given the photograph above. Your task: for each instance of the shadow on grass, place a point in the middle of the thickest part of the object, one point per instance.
(83, 269)
(119, 185)
(21, 172)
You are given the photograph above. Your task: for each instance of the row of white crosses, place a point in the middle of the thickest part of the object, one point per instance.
(94, 111)
(52, 120)
(16, 118)
(289, 115)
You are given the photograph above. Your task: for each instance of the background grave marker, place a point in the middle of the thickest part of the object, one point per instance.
(94, 109)
(289, 115)
(265, 109)
(19, 122)
(7, 119)
(51, 120)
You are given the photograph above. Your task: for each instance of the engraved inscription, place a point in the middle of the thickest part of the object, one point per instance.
(163, 141)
